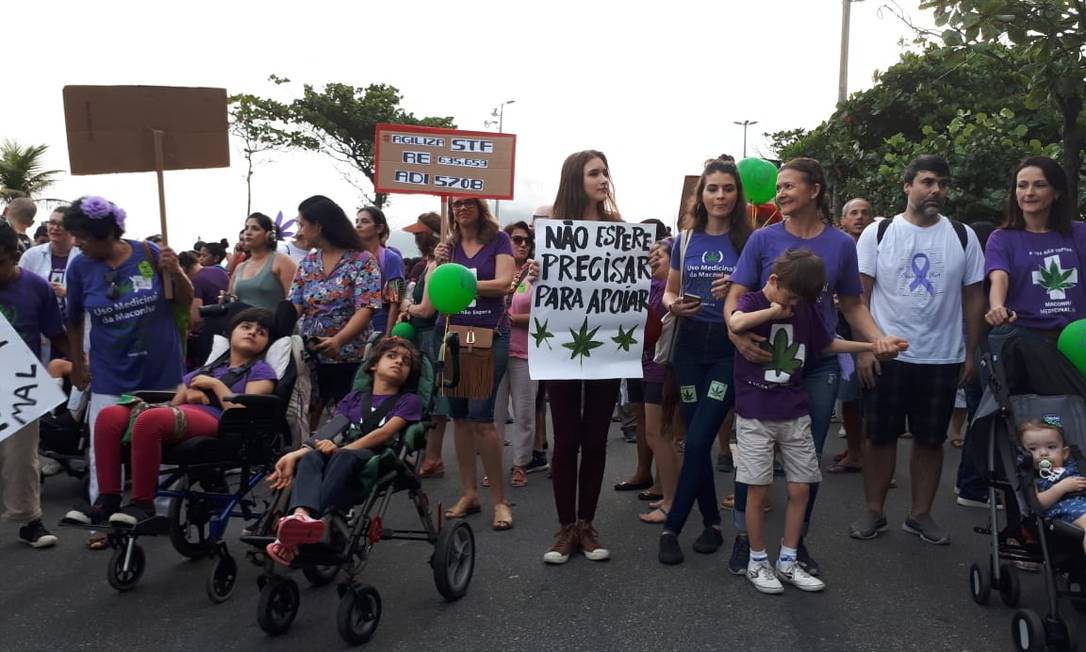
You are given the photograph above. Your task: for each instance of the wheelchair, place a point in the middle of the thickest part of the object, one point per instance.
(195, 477)
(352, 534)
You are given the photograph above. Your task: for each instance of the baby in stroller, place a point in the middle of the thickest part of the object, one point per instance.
(324, 470)
(1061, 487)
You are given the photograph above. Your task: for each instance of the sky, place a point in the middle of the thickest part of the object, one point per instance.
(657, 90)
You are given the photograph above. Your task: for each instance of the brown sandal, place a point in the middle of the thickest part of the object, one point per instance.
(97, 541)
(503, 517)
(518, 477)
(463, 507)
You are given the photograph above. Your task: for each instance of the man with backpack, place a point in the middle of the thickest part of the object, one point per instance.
(922, 272)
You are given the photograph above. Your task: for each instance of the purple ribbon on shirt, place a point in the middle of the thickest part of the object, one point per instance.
(921, 274)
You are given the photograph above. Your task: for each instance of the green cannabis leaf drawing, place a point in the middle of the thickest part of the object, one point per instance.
(582, 343)
(784, 359)
(625, 339)
(541, 334)
(1054, 279)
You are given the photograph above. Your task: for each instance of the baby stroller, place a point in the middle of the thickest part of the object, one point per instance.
(353, 533)
(1031, 380)
(202, 499)
(64, 438)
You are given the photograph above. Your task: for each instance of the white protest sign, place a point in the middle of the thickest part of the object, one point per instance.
(590, 301)
(26, 390)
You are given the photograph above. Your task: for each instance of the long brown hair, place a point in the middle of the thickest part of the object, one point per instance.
(571, 200)
(812, 170)
(488, 224)
(697, 216)
(1060, 216)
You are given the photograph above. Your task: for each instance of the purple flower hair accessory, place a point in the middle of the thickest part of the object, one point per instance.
(119, 215)
(96, 207)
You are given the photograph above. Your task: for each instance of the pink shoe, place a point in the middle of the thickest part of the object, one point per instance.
(281, 553)
(298, 529)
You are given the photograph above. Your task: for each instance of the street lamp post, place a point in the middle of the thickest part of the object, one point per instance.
(498, 113)
(842, 79)
(744, 124)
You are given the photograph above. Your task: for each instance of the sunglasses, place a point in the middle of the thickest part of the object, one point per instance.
(114, 291)
(463, 203)
(521, 240)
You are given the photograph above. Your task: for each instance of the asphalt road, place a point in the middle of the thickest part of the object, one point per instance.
(893, 593)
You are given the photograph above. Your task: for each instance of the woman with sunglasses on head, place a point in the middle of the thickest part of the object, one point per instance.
(516, 384)
(372, 228)
(478, 243)
(264, 279)
(420, 313)
(134, 341)
(581, 409)
(336, 290)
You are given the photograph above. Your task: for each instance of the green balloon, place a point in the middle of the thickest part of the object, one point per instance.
(759, 178)
(451, 288)
(404, 330)
(1072, 344)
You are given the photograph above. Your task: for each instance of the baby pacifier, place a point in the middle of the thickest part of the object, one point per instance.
(1044, 469)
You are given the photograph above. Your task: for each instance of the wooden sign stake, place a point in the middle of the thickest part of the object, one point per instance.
(167, 282)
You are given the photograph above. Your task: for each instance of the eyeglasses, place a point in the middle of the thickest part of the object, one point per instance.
(463, 203)
(57, 223)
(521, 240)
(114, 291)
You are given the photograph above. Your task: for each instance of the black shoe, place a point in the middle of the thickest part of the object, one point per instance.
(35, 535)
(133, 513)
(778, 469)
(95, 514)
(670, 552)
(804, 559)
(740, 555)
(710, 541)
(537, 463)
(725, 463)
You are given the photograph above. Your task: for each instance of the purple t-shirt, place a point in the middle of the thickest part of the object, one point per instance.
(134, 342)
(259, 371)
(209, 282)
(774, 391)
(408, 408)
(488, 312)
(30, 306)
(1046, 286)
(652, 372)
(836, 249)
(707, 257)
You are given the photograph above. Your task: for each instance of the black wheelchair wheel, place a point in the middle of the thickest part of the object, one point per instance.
(1028, 631)
(358, 614)
(980, 585)
(1009, 586)
(320, 575)
(119, 577)
(189, 527)
(223, 579)
(277, 606)
(454, 560)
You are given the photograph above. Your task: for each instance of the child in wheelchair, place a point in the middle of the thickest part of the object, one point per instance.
(194, 411)
(324, 469)
(1061, 487)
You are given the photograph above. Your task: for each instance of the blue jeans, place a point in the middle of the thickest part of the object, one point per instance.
(820, 379)
(703, 361)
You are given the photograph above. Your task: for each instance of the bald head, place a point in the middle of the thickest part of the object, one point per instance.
(855, 216)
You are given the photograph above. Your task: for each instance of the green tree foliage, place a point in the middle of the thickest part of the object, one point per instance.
(971, 110)
(339, 120)
(21, 173)
(259, 132)
(1049, 40)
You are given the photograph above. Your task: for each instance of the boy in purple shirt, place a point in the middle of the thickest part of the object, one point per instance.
(29, 304)
(771, 406)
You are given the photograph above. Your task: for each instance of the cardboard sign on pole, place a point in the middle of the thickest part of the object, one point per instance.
(115, 129)
(26, 390)
(690, 185)
(432, 161)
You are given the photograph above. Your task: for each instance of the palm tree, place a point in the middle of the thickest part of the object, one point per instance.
(21, 173)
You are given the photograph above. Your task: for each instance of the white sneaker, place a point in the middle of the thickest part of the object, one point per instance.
(794, 574)
(761, 576)
(49, 466)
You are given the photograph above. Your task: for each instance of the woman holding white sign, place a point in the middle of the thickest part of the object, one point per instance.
(702, 261)
(581, 409)
(478, 243)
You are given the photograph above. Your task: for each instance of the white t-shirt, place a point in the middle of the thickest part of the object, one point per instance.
(295, 252)
(919, 273)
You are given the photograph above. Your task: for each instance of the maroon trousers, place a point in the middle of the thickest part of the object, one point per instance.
(581, 411)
